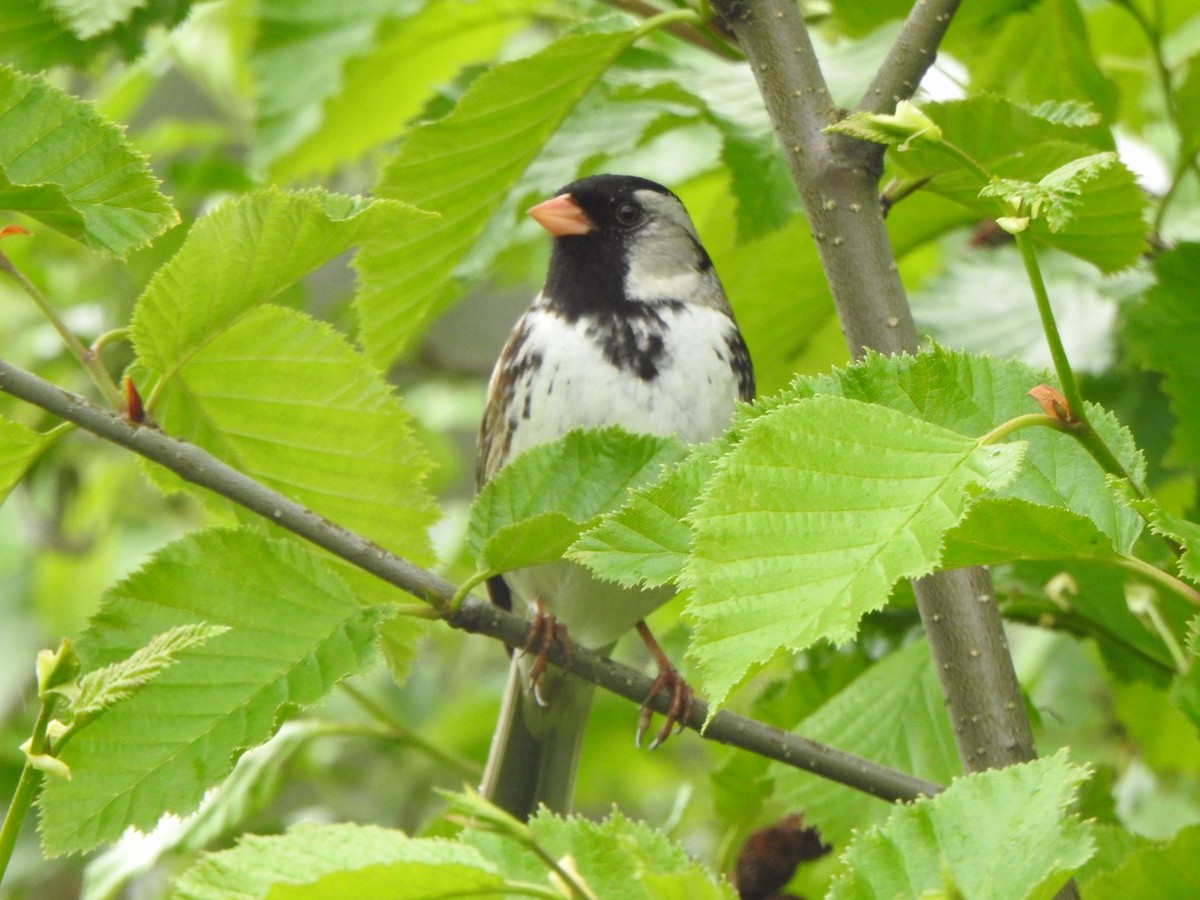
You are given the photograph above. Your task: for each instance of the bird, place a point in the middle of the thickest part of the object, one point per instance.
(632, 328)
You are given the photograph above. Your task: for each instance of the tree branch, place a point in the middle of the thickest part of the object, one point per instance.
(474, 615)
(910, 57)
(837, 178)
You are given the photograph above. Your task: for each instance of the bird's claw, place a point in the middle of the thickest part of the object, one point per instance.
(678, 712)
(544, 632)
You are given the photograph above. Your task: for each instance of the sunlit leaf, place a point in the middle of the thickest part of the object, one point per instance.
(294, 631)
(998, 834)
(893, 714)
(807, 524)
(62, 164)
(461, 167)
(331, 861)
(536, 506)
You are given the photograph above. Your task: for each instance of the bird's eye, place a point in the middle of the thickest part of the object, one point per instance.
(629, 213)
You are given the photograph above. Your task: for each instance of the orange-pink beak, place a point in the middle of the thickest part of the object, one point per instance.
(561, 216)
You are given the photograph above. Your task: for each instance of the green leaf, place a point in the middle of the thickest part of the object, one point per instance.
(106, 686)
(1085, 303)
(997, 834)
(251, 787)
(462, 166)
(538, 504)
(33, 38)
(20, 448)
(1182, 531)
(243, 254)
(286, 400)
(1187, 97)
(294, 631)
(278, 395)
(822, 506)
(1012, 142)
(64, 165)
(1160, 330)
(88, 18)
(973, 394)
(893, 714)
(1055, 197)
(1042, 53)
(906, 127)
(1164, 870)
(338, 83)
(647, 541)
(332, 861)
(616, 857)
(301, 48)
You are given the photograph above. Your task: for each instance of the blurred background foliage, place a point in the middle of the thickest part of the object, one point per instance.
(227, 96)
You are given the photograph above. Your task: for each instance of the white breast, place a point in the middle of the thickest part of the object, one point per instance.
(692, 395)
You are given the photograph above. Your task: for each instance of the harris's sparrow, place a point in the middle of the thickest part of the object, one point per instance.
(632, 328)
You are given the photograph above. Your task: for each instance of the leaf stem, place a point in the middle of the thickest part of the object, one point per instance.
(89, 359)
(1080, 426)
(1158, 576)
(27, 786)
(109, 337)
(1004, 429)
(666, 19)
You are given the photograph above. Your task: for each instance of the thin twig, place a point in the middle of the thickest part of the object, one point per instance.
(910, 57)
(474, 615)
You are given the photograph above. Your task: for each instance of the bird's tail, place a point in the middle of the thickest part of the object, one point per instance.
(535, 750)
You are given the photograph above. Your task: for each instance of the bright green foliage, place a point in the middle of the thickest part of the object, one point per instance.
(339, 80)
(61, 164)
(294, 631)
(244, 254)
(247, 791)
(806, 525)
(1058, 482)
(102, 688)
(461, 167)
(1040, 53)
(1020, 145)
(997, 834)
(537, 505)
(647, 541)
(893, 714)
(271, 391)
(331, 861)
(251, 339)
(1054, 197)
(19, 448)
(615, 857)
(33, 36)
(1161, 330)
(88, 18)
(1165, 870)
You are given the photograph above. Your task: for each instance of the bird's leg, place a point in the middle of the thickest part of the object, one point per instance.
(544, 631)
(668, 677)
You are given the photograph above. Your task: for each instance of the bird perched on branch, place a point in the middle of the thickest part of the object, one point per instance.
(632, 328)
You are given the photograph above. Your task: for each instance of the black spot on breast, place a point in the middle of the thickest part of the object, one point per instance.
(632, 339)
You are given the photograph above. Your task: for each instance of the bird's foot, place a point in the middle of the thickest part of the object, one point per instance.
(682, 696)
(544, 632)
